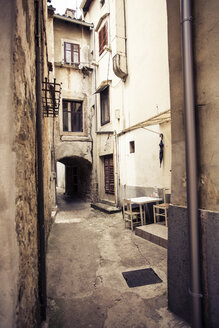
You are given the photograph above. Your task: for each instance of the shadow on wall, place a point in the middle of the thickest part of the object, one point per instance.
(74, 176)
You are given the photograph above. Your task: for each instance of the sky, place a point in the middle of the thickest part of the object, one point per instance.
(61, 5)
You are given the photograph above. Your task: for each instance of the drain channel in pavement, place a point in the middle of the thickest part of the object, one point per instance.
(141, 277)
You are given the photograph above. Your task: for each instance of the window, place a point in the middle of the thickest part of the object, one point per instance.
(104, 104)
(72, 116)
(132, 146)
(71, 53)
(103, 38)
(109, 174)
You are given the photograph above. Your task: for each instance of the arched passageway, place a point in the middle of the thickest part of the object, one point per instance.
(74, 176)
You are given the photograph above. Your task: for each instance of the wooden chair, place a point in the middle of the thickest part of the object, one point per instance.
(129, 214)
(161, 209)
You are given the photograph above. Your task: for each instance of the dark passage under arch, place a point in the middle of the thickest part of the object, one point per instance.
(77, 177)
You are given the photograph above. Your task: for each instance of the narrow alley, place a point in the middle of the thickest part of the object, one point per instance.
(88, 251)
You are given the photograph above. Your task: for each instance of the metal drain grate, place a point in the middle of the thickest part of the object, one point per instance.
(141, 277)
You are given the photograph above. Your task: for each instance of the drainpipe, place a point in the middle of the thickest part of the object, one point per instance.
(116, 168)
(191, 163)
(95, 79)
(40, 189)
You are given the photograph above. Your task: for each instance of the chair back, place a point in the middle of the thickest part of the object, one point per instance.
(166, 192)
(127, 205)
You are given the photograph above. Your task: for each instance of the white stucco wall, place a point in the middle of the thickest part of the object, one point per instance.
(147, 54)
(142, 168)
(144, 94)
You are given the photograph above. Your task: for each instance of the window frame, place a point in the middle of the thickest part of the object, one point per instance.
(103, 38)
(73, 45)
(72, 116)
(105, 103)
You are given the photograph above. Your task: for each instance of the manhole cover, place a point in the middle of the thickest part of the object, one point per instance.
(141, 277)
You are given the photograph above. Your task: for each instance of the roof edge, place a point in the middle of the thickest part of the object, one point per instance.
(73, 21)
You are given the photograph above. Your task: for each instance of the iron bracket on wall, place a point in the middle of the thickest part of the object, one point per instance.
(51, 98)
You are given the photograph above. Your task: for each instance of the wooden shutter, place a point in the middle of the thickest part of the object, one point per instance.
(109, 174)
(100, 42)
(103, 38)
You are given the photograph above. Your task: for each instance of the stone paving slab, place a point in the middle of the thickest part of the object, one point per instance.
(155, 233)
(105, 208)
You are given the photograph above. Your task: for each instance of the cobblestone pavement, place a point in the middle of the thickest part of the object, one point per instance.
(88, 251)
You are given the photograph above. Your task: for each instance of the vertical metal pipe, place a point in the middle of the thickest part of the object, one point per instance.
(191, 163)
(40, 188)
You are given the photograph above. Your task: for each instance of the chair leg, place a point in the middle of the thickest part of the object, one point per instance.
(123, 212)
(154, 210)
(132, 222)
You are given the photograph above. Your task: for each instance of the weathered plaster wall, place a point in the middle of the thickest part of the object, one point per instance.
(9, 256)
(76, 85)
(74, 148)
(25, 144)
(19, 305)
(206, 69)
(206, 48)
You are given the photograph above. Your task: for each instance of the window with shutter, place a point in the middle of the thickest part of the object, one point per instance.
(109, 174)
(103, 38)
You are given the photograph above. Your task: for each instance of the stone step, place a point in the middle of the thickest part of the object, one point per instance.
(106, 208)
(155, 233)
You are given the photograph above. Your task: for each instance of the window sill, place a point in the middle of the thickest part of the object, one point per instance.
(65, 65)
(75, 138)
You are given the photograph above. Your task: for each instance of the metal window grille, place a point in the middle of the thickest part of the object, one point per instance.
(51, 93)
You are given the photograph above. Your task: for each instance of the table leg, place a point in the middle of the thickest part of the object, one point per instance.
(144, 213)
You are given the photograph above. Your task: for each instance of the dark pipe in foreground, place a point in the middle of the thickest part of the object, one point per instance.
(191, 163)
(40, 189)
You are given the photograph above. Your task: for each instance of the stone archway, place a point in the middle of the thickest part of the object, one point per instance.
(78, 176)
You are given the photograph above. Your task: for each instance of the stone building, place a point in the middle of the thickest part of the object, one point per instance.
(130, 97)
(206, 67)
(25, 180)
(70, 54)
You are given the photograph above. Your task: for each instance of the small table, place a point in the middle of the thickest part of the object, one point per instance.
(141, 201)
